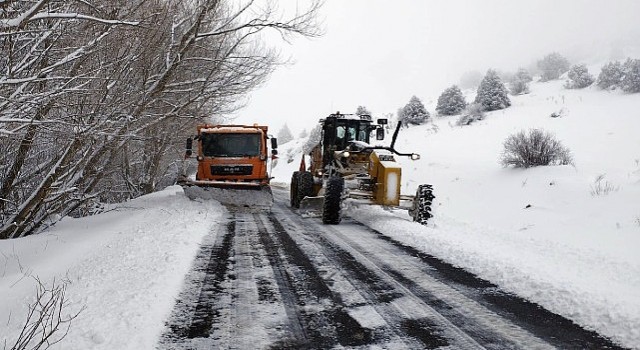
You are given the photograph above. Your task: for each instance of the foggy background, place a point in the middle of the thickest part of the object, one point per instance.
(380, 53)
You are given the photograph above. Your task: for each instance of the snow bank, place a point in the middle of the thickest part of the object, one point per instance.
(125, 267)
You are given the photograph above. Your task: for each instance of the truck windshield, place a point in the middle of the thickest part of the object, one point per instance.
(230, 145)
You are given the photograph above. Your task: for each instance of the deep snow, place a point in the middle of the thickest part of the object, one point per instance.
(572, 252)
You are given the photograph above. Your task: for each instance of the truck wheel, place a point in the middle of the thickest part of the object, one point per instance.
(421, 211)
(293, 192)
(332, 199)
(305, 185)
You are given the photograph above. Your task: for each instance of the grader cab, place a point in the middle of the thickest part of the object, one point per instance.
(345, 165)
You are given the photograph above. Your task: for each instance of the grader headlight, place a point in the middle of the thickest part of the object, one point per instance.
(342, 154)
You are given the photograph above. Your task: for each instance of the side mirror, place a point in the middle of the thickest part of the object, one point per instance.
(380, 134)
(189, 151)
(382, 121)
(274, 144)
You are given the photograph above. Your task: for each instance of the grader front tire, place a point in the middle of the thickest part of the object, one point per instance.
(331, 211)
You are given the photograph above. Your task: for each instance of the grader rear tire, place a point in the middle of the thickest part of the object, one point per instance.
(293, 192)
(305, 185)
(421, 211)
(331, 211)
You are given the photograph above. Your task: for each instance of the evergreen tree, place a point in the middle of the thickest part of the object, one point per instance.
(303, 134)
(519, 83)
(284, 135)
(610, 76)
(492, 94)
(552, 66)
(451, 101)
(631, 80)
(362, 110)
(413, 112)
(579, 77)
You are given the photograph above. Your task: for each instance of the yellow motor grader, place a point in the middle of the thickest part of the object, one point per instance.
(345, 165)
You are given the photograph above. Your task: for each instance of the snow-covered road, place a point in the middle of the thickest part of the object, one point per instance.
(279, 280)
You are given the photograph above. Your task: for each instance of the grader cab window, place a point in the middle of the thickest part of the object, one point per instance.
(230, 145)
(349, 131)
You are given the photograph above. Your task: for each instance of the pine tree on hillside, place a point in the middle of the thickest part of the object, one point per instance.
(610, 76)
(362, 110)
(519, 83)
(284, 135)
(552, 66)
(451, 101)
(631, 81)
(413, 112)
(492, 94)
(303, 134)
(579, 77)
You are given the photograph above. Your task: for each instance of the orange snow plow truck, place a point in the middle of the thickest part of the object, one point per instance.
(232, 163)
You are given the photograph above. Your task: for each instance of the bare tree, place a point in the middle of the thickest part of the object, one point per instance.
(98, 96)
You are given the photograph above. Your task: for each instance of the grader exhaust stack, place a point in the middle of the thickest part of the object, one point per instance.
(231, 166)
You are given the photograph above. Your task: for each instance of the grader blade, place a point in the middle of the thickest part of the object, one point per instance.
(258, 198)
(311, 206)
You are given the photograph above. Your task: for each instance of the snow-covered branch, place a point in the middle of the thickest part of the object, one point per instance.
(19, 22)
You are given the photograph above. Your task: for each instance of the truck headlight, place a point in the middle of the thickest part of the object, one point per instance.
(346, 154)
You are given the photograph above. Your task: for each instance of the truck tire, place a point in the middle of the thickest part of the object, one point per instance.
(331, 211)
(421, 211)
(305, 185)
(293, 191)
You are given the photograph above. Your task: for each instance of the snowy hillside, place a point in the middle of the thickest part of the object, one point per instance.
(538, 232)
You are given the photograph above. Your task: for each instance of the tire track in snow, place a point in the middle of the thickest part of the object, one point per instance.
(195, 309)
(553, 328)
(321, 312)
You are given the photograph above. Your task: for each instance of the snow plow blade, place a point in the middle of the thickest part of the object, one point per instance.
(311, 206)
(248, 196)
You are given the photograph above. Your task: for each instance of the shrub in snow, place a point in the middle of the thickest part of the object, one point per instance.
(492, 94)
(552, 66)
(602, 187)
(48, 318)
(610, 76)
(535, 148)
(519, 82)
(451, 101)
(579, 77)
(472, 113)
(362, 110)
(557, 114)
(413, 112)
(284, 135)
(631, 80)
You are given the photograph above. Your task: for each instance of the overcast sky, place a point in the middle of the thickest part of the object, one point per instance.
(380, 53)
